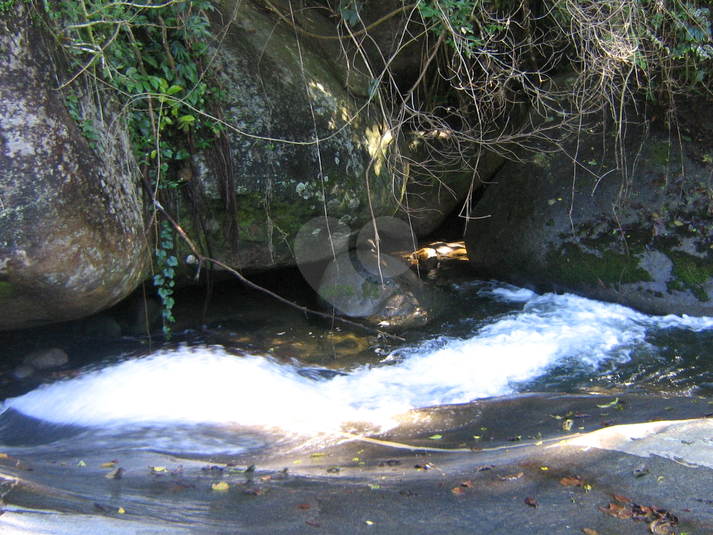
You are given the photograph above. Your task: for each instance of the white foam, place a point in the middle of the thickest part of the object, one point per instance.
(210, 385)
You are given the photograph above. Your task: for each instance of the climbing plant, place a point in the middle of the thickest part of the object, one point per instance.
(150, 55)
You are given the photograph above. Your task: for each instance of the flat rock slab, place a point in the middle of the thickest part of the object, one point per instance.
(525, 473)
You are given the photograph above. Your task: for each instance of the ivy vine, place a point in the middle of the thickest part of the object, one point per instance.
(150, 55)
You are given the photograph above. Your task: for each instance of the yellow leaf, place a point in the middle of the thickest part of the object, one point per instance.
(678, 223)
(436, 437)
(4, 456)
(616, 400)
(108, 465)
(157, 468)
(220, 486)
(121, 510)
(369, 522)
(81, 463)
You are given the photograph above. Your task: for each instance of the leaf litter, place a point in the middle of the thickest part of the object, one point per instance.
(660, 521)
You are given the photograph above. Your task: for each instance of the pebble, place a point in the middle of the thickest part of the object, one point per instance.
(22, 372)
(43, 359)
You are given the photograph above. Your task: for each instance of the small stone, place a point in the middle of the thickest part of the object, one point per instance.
(43, 359)
(102, 326)
(22, 372)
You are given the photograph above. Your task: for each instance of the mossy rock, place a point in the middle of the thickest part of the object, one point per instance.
(639, 236)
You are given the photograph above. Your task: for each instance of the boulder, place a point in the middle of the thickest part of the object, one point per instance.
(382, 290)
(71, 224)
(622, 222)
(304, 139)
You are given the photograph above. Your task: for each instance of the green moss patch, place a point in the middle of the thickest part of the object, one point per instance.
(572, 265)
(7, 290)
(691, 273)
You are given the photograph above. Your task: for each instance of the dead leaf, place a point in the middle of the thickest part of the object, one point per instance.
(532, 502)
(220, 486)
(606, 405)
(619, 511)
(426, 466)
(466, 484)
(304, 506)
(116, 473)
(458, 491)
(589, 531)
(567, 425)
(661, 526)
(110, 464)
(512, 477)
(622, 499)
(572, 481)
(641, 471)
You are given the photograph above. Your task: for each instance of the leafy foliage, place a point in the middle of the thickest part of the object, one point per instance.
(150, 55)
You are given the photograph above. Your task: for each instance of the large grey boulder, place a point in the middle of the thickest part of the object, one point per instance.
(304, 139)
(631, 226)
(71, 225)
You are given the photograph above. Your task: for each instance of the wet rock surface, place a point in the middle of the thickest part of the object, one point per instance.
(428, 476)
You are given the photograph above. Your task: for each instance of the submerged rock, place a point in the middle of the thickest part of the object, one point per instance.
(43, 359)
(380, 289)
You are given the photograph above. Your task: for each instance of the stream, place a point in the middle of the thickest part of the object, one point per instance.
(270, 383)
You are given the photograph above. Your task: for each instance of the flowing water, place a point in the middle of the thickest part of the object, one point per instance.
(202, 398)
(269, 386)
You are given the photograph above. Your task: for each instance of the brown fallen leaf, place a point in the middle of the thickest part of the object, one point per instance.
(466, 484)
(589, 531)
(532, 502)
(304, 506)
(458, 491)
(622, 499)
(619, 511)
(572, 481)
